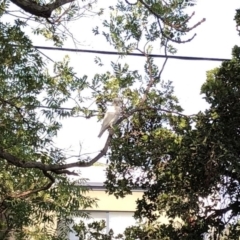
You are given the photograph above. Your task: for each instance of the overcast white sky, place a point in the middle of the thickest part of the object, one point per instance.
(215, 38)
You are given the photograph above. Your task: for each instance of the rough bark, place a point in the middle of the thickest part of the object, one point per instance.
(38, 10)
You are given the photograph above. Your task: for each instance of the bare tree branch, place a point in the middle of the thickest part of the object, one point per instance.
(55, 168)
(36, 9)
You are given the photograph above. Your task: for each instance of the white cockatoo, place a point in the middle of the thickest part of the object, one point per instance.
(111, 116)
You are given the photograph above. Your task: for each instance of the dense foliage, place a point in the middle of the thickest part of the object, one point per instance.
(29, 119)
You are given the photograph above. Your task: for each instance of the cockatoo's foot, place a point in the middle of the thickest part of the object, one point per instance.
(111, 131)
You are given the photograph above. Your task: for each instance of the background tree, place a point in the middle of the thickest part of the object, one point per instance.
(26, 132)
(189, 164)
(34, 176)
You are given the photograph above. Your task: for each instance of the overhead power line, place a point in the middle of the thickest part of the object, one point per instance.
(132, 54)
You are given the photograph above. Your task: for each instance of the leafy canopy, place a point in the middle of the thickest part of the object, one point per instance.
(152, 137)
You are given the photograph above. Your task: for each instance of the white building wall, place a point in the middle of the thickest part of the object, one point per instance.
(117, 221)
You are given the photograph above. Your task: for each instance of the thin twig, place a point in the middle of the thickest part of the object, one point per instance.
(30, 192)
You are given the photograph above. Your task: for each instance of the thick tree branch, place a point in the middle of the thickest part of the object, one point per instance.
(234, 207)
(38, 10)
(55, 168)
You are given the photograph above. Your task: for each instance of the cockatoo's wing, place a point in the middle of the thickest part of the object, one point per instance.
(109, 118)
(117, 113)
